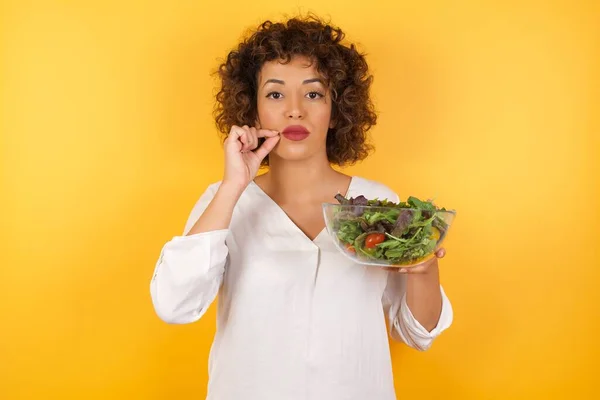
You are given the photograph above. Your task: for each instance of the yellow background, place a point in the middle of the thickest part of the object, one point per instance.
(107, 141)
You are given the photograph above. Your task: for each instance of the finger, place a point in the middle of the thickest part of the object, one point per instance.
(266, 133)
(234, 133)
(400, 270)
(245, 138)
(419, 269)
(266, 147)
(440, 253)
(403, 270)
(233, 139)
(253, 142)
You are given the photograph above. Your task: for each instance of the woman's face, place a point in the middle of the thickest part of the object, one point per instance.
(293, 99)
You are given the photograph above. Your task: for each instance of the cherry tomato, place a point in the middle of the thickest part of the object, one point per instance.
(373, 240)
(350, 249)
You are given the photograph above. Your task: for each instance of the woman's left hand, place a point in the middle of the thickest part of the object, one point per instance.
(428, 265)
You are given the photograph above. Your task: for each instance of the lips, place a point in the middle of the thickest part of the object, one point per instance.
(295, 132)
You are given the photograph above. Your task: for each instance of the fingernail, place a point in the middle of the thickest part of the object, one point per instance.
(403, 270)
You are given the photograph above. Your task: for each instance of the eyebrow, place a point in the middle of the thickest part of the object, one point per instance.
(279, 81)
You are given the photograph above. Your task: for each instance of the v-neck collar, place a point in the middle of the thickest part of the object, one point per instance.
(286, 217)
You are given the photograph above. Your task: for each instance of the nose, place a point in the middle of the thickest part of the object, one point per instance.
(294, 109)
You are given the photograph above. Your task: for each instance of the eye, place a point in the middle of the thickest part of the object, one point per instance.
(274, 95)
(315, 95)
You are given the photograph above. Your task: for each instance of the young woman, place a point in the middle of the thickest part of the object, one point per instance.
(296, 319)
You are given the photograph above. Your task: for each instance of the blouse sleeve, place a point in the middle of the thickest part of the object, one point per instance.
(403, 325)
(189, 270)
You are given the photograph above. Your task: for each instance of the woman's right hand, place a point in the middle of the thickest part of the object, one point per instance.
(243, 156)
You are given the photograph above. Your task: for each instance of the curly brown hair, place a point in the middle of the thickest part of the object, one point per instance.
(343, 68)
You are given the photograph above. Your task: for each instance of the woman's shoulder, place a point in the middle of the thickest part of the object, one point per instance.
(371, 189)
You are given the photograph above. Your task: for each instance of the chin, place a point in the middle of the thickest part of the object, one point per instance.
(291, 153)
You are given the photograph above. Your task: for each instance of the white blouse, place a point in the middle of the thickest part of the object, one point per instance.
(296, 319)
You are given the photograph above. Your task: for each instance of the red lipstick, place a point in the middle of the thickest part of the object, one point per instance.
(295, 132)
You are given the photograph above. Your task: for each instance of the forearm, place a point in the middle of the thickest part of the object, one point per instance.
(218, 214)
(423, 296)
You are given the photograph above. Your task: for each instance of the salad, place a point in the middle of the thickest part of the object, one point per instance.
(393, 233)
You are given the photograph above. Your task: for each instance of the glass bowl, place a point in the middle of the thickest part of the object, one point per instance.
(386, 234)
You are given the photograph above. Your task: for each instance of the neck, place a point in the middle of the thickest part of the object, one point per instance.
(299, 180)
